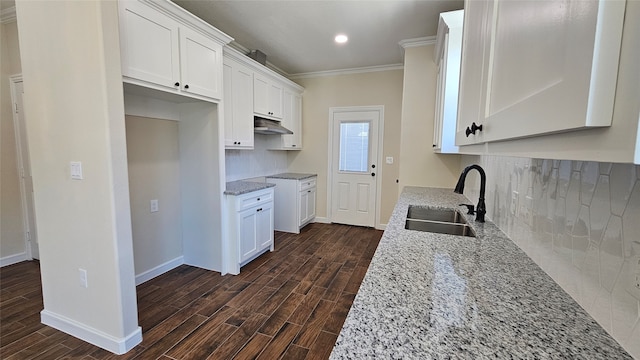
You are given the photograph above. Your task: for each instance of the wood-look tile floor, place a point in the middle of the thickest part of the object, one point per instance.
(288, 304)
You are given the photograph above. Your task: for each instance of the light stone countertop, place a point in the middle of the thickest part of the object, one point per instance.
(436, 296)
(291, 176)
(242, 187)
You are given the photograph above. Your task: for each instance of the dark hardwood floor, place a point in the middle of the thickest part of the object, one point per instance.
(289, 304)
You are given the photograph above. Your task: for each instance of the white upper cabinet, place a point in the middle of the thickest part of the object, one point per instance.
(267, 97)
(200, 64)
(238, 105)
(292, 120)
(163, 47)
(537, 67)
(447, 58)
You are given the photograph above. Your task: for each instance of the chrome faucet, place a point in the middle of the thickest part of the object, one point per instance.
(481, 208)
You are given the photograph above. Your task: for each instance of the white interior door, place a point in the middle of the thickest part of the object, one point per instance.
(354, 166)
(24, 170)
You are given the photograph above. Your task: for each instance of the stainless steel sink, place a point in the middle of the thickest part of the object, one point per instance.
(441, 221)
(444, 215)
(440, 227)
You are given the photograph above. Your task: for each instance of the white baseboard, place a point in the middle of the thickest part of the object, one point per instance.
(159, 270)
(324, 220)
(98, 338)
(13, 259)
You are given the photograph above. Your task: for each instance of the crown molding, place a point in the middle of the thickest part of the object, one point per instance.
(8, 15)
(366, 69)
(423, 41)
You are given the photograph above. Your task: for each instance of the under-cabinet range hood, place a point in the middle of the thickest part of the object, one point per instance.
(269, 127)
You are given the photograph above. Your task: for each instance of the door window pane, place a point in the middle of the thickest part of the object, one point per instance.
(354, 146)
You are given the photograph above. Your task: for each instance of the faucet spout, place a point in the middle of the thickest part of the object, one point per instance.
(481, 207)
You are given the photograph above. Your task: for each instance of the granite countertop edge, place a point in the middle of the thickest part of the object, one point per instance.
(291, 176)
(428, 296)
(240, 187)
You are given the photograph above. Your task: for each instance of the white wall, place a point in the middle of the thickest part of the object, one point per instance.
(582, 229)
(419, 165)
(74, 110)
(12, 235)
(154, 173)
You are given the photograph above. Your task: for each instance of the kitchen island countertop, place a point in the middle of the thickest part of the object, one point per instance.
(435, 296)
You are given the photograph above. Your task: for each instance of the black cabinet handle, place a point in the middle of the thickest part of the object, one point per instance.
(259, 210)
(177, 84)
(473, 129)
(186, 86)
(293, 145)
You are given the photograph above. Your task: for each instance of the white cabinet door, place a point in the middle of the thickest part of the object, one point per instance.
(248, 233)
(275, 100)
(538, 67)
(311, 204)
(149, 45)
(267, 97)
(238, 106)
(303, 200)
(200, 64)
(264, 225)
(292, 120)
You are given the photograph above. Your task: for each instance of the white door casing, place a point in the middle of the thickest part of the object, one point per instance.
(24, 168)
(354, 184)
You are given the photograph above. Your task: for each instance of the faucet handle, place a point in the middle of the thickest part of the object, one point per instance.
(470, 208)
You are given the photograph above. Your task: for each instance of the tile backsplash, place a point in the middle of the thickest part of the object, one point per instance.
(580, 222)
(245, 164)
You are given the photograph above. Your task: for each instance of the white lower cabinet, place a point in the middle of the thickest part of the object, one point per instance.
(295, 202)
(251, 226)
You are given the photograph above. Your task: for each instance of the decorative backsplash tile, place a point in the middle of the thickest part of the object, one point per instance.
(245, 164)
(580, 222)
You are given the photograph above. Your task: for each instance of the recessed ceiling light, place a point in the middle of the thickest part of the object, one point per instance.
(341, 38)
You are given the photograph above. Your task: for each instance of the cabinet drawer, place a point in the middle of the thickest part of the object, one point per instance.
(255, 198)
(307, 183)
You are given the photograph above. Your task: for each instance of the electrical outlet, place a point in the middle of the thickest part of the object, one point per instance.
(514, 203)
(153, 205)
(389, 160)
(83, 278)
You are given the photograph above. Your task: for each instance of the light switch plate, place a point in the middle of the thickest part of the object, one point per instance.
(389, 159)
(76, 170)
(153, 205)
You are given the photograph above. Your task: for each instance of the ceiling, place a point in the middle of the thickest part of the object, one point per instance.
(297, 35)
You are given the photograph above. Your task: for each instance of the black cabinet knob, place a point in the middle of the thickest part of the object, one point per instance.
(177, 84)
(373, 174)
(186, 86)
(258, 199)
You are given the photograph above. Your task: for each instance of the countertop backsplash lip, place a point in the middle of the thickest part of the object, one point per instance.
(429, 295)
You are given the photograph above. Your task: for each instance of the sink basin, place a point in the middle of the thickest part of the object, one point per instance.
(443, 215)
(440, 227)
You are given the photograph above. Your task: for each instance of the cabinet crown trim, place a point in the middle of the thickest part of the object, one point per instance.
(233, 54)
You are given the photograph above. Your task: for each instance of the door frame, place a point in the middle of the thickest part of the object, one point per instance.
(341, 109)
(28, 228)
